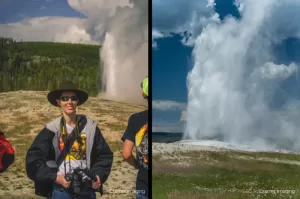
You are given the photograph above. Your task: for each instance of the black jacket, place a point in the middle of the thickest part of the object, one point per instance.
(42, 149)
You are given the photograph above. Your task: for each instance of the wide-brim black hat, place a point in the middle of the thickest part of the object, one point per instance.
(67, 86)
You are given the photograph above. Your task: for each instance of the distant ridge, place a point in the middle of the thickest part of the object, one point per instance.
(166, 137)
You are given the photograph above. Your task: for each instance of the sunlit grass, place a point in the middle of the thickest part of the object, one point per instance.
(225, 175)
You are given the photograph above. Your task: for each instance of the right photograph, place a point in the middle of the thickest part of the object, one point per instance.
(225, 99)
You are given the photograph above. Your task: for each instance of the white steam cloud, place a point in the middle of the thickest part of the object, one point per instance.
(98, 13)
(125, 53)
(234, 78)
(55, 29)
(123, 26)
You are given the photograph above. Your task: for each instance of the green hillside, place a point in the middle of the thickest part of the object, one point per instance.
(43, 65)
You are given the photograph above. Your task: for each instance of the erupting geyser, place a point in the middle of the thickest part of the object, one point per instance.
(237, 78)
(124, 53)
(121, 27)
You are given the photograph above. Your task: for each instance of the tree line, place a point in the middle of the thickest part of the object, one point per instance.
(44, 65)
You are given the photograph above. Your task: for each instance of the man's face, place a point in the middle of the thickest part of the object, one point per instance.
(68, 102)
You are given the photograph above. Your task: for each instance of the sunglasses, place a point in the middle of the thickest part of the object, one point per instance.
(66, 98)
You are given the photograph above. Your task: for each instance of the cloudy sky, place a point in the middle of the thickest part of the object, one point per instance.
(78, 21)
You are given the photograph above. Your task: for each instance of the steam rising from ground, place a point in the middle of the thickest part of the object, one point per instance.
(235, 78)
(125, 53)
(123, 25)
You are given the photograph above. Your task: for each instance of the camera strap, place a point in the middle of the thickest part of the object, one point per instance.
(67, 147)
(71, 139)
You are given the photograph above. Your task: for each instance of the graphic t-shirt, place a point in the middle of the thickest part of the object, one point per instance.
(75, 158)
(137, 132)
(141, 143)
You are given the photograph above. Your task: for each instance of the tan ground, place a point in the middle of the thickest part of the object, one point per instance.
(24, 113)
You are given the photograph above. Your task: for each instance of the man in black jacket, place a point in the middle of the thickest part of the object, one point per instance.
(69, 146)
(136, 135)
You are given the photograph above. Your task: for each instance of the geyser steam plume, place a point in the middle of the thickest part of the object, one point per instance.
(125, 53)
(236, 77)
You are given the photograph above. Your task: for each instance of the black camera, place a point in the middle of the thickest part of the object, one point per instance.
(81, 180)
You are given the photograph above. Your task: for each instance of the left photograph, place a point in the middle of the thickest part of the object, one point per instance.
(74, 99)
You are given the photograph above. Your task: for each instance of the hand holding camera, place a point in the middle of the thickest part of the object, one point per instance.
(81, 180)
(96, 184)
(60, 179)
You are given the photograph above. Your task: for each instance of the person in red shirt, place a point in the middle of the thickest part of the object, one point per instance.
(7, 153)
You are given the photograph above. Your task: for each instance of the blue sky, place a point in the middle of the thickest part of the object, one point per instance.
(171, 62)
(15, 10)
(172, 59)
